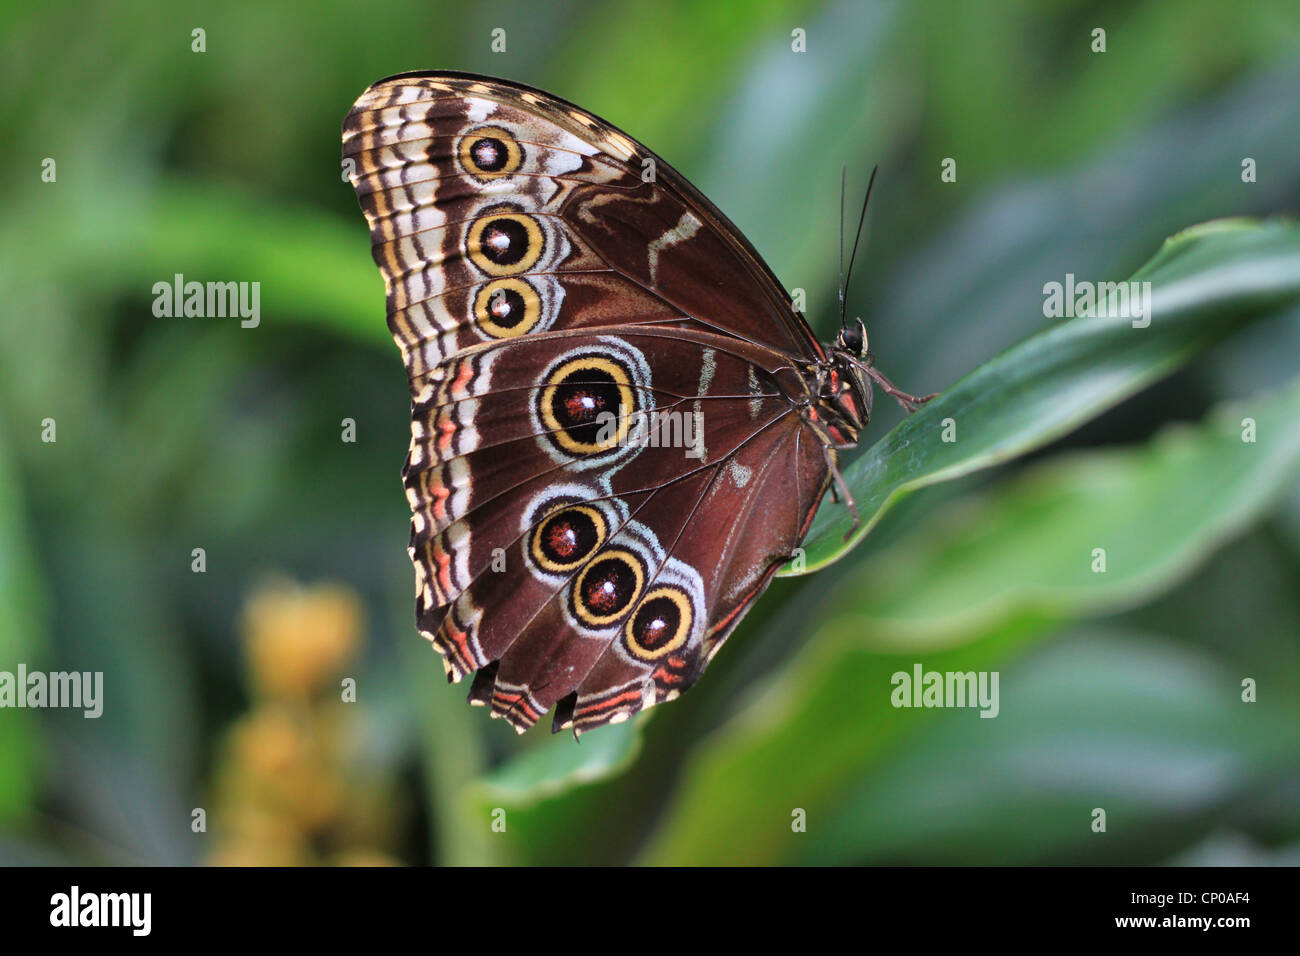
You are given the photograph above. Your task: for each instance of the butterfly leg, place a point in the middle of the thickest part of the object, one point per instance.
(840, 489)
(909, 401)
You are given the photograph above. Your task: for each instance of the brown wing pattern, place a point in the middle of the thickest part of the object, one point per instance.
(607, 459)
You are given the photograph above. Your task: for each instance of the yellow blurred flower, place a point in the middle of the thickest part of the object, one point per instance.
(276, 763)
(254, 836)
(286, 788)
(298, 639)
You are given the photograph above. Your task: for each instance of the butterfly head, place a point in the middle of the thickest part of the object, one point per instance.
(845, 385)
(853, 339)
(849, 376)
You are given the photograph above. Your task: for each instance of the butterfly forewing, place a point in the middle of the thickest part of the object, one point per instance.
(560, 315)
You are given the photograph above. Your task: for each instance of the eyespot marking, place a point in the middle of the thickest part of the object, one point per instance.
(504, 243)
(489, 152)
(660, 624)
(577, 400)
(607, 586)
(507, 307)
(566, 537)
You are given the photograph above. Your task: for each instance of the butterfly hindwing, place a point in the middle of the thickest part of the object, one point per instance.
(724, 440)
(555, 309)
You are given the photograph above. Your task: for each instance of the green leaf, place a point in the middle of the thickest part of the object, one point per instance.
(1153, 729)
(1205, 280)
(1030, 544)
(22, 641)
(982, 579)
(559, 764)
(1131, 722)
(547, 790)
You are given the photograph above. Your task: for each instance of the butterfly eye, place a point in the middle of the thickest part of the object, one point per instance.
(588, 404)
(606, 587)
(567, 537)
(507, 307)
(489, 152)
(660, 624)
(851, 338)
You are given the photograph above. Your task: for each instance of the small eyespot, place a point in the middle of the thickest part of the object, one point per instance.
(504, 308)
(606, 587)
(582, 399)
(660, 625)
(565, 538)
(504, 243)
(489, 152)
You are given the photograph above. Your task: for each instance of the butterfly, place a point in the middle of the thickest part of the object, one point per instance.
(562, 297)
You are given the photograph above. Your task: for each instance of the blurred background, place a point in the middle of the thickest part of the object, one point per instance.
(223, 688)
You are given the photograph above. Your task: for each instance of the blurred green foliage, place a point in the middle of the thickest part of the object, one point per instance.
(1119, 690)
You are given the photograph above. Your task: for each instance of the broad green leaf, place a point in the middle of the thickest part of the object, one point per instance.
(1020, 560)
(540, 792)
(1147, 729)
(1203, 281)
(557, 764)
(1033, 543)
(1152, 728)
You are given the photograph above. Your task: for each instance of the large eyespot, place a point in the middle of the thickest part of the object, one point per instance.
(590, 405)
(660, 625)
(504, 243)
(582, 399)
(606, 587)
(567, 537)
(489, 152)
(504, 308)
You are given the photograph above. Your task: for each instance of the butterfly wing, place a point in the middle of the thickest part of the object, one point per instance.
(431, 153)
(537, 279)
(511, 526)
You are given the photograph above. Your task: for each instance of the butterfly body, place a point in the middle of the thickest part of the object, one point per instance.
(557, 311)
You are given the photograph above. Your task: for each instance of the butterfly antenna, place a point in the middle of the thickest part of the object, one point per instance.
(843, 177)
(846, 278)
